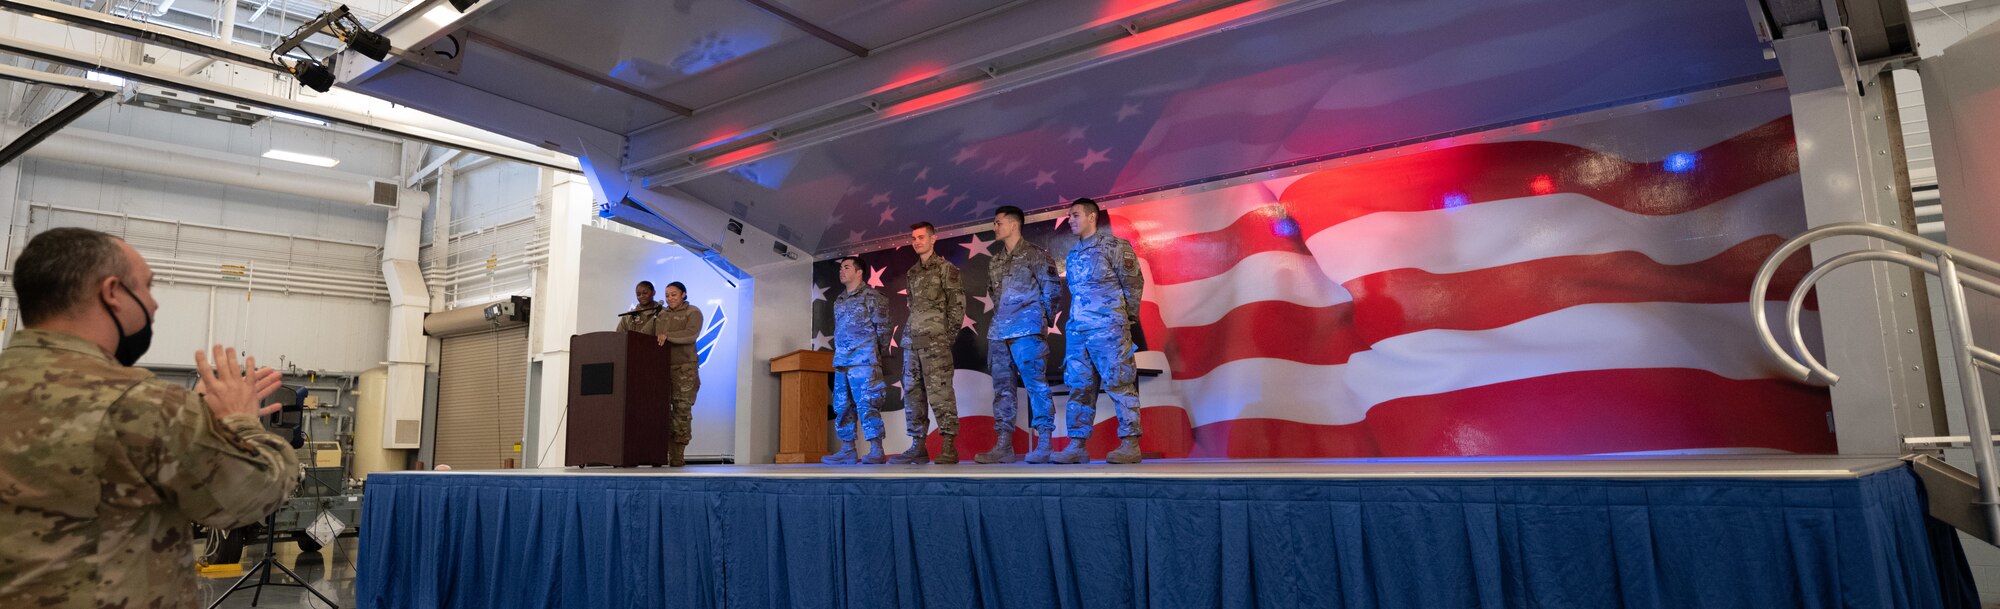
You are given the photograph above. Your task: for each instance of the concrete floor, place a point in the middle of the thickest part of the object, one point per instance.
(330, 570)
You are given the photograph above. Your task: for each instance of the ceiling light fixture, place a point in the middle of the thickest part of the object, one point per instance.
(299, 157)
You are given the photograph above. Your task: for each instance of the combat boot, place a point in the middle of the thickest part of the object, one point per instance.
(678, 456)
(1003, 450)
(949, 454)
(918, 453)
(1041, 452)
(874, 456)
(1075, 452)
(844, 457)
(1128, 451)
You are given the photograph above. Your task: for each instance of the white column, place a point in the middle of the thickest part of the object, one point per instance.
(409, 300)
(1867, 313)
(554, 319)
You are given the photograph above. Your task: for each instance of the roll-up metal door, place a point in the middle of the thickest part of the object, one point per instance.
(482, 398)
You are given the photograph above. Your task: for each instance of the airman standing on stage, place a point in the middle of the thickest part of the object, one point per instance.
(1023, 284)
(1104, 290)
(643, 315)
(860, 345)
(679, 324)
(937, 310)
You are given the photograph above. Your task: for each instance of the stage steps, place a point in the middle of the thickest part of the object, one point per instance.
(1954, 496)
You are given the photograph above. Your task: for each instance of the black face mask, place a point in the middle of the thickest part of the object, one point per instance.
(131, 347)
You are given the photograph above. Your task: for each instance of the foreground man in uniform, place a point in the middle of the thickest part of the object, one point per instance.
(860, 345)
(102, 466)
(1022, 282)
(678, 325)
(937, 306)
(1104, 286)
(643, 316)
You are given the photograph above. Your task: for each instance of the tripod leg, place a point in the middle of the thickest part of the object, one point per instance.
(239, 583)
(303, 584)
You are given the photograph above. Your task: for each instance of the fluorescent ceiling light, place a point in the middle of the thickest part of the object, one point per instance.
(441, 15)
(104, 78)
(298, 118)
(286, 155)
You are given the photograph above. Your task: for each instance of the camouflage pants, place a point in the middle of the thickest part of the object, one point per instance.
(1101, 358)
(857, 387)
(687, 381)
(927, 370)
(1015, 362)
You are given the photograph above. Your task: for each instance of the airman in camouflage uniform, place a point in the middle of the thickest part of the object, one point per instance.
(860, 345)
(1022, 282)
(102, 465)
(937, 310)
(1104, 290)
(644, 317)
(678, 325)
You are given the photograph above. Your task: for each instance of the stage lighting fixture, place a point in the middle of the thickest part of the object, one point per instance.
(311, 73)
(340, 23)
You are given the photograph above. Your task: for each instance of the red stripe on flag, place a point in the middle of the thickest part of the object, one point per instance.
(1405, 301)
(1402, 301)
(1202, 255)
(1604, 411)
(1481, 173)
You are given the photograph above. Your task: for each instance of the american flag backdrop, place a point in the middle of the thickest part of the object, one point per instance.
(1576, 290)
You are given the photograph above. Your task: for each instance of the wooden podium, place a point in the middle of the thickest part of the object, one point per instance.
(803, 398)
(618, 388)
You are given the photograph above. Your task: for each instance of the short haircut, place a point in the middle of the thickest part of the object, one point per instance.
(677, 285)
(924, 226)
(645, 284)
(1093, 205)
(59, 269)
(1009, 210)
(855, 259)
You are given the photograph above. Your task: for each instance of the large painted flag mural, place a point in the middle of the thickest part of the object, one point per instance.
(1575, 289)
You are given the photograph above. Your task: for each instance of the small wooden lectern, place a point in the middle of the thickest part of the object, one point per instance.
(802, 413)
(618, 388)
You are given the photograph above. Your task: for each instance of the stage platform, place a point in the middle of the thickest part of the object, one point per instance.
(1678, 531)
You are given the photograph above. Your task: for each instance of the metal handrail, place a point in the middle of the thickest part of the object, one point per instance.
(1968, 358)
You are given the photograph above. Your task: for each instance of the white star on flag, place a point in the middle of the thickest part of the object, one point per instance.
(1013, 166)
(819, 293)
(1059, 221)
(976, 247)
(923, 175)
(967, 323)
(888, 214)
(835, 219)
(931, 194)
(1093, 157)
(822, 342)
(957, 200)
(1126, 111)
(965, 154)
(878, 199)
(875, 276)
(853, 236)
(1056, 326)
(1043, 178)
(993, 203)
(1074, 134)
(986, 301)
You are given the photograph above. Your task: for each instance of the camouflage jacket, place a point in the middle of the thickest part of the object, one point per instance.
(860, 328)
(681, 327)
(102, 467)
(1104, 283)
(937, 303)
(644, 319)
(1024, 288)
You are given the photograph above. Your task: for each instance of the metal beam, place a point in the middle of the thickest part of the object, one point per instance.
(587, 75)
(48, 126)
(810, 28)
(38, 77)
(176, 81)
(150, 34)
